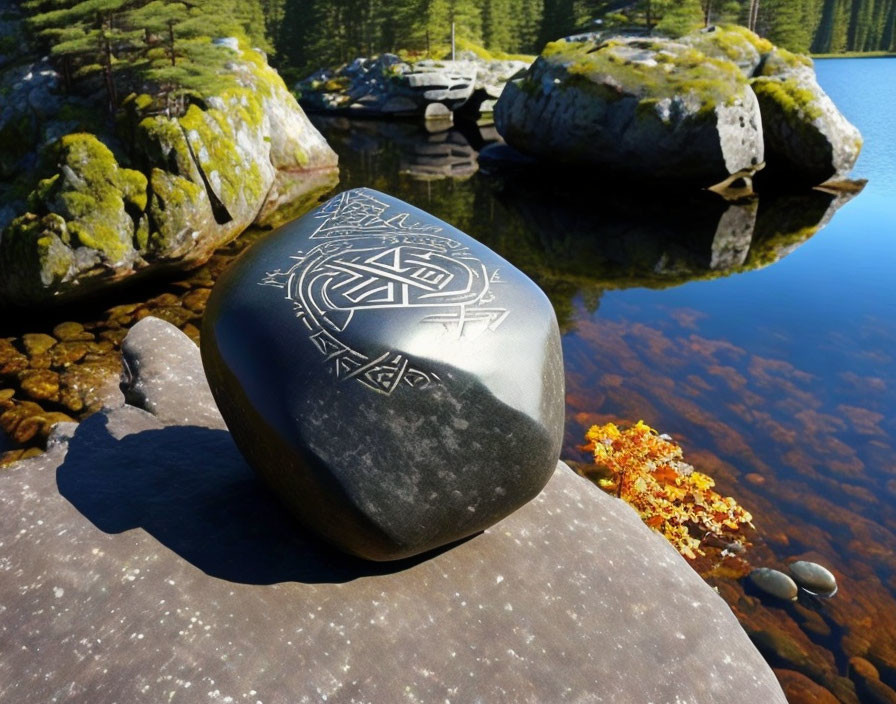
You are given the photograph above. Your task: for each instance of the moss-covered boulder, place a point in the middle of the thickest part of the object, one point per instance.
(807, 139)
(733, 43)
(680, 110)
(645, 108)
(166, 191)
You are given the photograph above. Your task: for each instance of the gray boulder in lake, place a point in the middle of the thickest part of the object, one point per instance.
(642, 108)
(714, 104)
(144, 562)
(398, 384)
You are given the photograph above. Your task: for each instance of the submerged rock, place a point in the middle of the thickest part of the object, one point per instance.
(813, 578)
(571, 598)
(200, 180)
(398, 384)
(775, 583)
(643, 108)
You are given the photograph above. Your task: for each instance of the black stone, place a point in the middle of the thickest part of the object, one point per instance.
(398, 384)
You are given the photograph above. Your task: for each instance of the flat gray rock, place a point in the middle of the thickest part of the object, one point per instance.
(146, 563)
(158, 361)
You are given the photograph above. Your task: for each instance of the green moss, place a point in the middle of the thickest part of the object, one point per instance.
(729, 40)
(795, 103)
(133, 188)
(88, 194)
(211, 136)
(172, 207)
(780, 61)
(35, 257)
(336, 85)
(42, 193)
(711, 81)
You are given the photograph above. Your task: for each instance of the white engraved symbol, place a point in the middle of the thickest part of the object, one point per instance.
(366, 262)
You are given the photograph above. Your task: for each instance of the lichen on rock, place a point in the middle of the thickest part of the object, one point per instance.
(199, 179)
(650, 109)
(710, 105)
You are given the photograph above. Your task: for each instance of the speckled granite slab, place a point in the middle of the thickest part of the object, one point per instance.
(141, 562)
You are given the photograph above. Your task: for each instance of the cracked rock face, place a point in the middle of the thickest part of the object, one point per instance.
(143, 561)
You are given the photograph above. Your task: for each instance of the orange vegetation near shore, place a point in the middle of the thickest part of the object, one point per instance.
(648, 472)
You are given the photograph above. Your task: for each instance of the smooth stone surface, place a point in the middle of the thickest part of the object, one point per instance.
(157, 360)
(813, 578)
(397, 384)
(145, 563)
(774, 582)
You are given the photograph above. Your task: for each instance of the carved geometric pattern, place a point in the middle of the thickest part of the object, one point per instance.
(368, 259)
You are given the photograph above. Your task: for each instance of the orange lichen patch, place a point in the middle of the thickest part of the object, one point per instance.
(863, 420)
(710, 348)
(864, 384)
(816, 423)
(687, 317)
(611, 380)
(648, 472)
(699, 382)
(799, 689)
(730, 375)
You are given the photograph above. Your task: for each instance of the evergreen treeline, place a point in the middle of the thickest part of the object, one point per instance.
(119, 45)
(312, 33)
(116, 47)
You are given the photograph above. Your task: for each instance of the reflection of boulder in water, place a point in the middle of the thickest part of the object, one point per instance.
(422, 154)
(442, 155)
(623, 239)
(787, 220)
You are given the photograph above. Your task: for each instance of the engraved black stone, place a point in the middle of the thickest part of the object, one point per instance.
(398, 384)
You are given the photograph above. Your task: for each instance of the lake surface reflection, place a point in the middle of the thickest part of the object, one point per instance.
(761, 335)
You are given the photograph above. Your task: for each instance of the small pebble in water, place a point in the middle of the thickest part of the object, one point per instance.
(814, 578)
(775, 583)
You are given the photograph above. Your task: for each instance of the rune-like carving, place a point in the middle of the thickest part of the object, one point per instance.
(368, 259)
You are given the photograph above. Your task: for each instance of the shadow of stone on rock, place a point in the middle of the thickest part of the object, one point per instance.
(190, 489)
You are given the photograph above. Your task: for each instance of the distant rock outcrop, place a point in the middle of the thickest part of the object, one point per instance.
(143, 561)
(180, 187)
(384, 85)
(701, 110)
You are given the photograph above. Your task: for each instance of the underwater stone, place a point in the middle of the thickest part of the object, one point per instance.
(398, 385)
(775, 583)
(814, 578)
